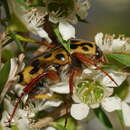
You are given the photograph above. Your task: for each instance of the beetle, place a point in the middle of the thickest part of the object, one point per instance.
(50, 64)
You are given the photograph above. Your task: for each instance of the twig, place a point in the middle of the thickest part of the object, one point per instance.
(59, 112)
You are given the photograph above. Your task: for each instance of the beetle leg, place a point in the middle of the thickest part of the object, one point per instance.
(14, 110)
(74, 73)
(27, 89)
(84, 59)
(54, 76)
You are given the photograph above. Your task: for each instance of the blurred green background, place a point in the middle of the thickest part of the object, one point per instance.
(107, 16)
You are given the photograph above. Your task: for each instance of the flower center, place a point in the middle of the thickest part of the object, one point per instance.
(90, 92)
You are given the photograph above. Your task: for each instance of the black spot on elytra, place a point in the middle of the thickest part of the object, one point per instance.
(20, 77)
(85, 48)
(34, 70)
(75, 40)
(47, 55)
(73, 46)
(35, 63)
(89, 44)
(60, 56)
(86, 44)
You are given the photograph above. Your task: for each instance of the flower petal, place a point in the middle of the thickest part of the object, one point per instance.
(79, 111)
(117, 44)
(110, 43)
(52, 104)
(111, 104)
(67, 30)
(13, 69)
(50, 128)
(126, 113)
(18, 88)
(108, 91)
(117, 76)
(62, 87)
(22, 124)
(43, 34)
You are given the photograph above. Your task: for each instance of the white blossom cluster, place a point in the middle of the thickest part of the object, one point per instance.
(111, 43)
(58, 12)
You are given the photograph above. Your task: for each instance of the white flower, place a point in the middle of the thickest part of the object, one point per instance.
(20, 119)
(66, 30)
(34, 20)
(91, 94)
(109, 43)
(109, 104)
(64, 11)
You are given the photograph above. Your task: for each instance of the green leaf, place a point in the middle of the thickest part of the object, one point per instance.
(66, 44)
(15, 24)
(4, 72)
(37, 3)
(1, 109)
(22, 2)
(122, 91)
(60, 127)
(18, 43)
(121, 58)
(71, 123)
(103, 118)
(7, 55)
(110, 66)
(25, 39)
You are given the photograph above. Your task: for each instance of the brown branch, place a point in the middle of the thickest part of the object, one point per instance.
(59, 112)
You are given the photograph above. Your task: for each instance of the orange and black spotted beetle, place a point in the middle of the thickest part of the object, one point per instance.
(51, 62)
